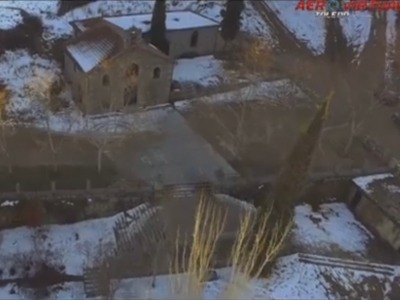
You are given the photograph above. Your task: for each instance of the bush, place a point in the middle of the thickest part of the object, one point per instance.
(22, 36)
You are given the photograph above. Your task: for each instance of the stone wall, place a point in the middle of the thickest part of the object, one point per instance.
(372, 216)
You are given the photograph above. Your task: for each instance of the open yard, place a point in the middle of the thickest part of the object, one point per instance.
(254, 131)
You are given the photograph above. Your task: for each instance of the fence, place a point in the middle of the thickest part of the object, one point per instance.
(224, 184)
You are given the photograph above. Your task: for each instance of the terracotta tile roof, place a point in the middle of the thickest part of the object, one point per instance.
(94, 46)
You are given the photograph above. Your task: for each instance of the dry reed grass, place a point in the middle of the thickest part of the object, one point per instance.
(245, 255)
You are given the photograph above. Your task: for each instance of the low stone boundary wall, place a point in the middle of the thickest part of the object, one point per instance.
(224, 185)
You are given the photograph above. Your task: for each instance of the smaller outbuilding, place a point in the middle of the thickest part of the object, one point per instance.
(189, 34)
(375, 201)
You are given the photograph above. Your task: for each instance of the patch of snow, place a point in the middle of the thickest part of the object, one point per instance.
(356, 28)
(89, 54)
(72, 245)
(74, 123)
(54, 27)
(17, 70)
(332, 225)
(9, 18)
(120, 7)
(205, 71)
(292, 279)
(279, 91)
(392, 188)
(37, 8)
(9, 203)
(364, 181)
(305, 25)
(252, 22)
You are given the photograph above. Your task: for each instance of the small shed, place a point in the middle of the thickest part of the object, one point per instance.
(375, 200)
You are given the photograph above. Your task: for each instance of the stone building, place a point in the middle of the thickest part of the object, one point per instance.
(110, 69)
(188, 33)
(110, 64)
(375, 200)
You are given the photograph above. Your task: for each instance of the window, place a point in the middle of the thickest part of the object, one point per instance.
(106, 80)
(132, 70)
(194, 39)
(130, 97)
(156, 73)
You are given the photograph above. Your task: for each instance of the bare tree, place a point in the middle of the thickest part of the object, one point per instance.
(40, 89)
(358, 114)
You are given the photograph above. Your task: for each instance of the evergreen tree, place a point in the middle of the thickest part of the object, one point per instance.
(230, 24)
(291, 180)
(158, 28)
(294, 173)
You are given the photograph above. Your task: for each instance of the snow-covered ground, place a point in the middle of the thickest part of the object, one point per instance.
(9, 18)
(205, 71)
(17, 71)
(356, 28)
(282, 92)
(310, 28)
(73, 245)
(332, 225)
(56, 27)
(306, 26)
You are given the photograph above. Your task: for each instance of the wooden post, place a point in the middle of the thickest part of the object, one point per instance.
(18, 187)
(53, 186)
(88, 184)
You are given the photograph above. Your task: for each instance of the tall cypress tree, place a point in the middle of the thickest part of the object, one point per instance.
(230, 24)
(158, 27)
(294, 173)
(290, 181)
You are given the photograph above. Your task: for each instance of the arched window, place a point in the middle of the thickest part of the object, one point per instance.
(132, 70)
(194, 39)
(106, 80)
(156, 73)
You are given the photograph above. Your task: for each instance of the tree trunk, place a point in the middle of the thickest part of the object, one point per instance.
(99, 159)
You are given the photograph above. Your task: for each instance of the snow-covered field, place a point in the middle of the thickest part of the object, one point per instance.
(296, 276)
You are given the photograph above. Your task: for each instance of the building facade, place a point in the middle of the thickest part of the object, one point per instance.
(109, 69)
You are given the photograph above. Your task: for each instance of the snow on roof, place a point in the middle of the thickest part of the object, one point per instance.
(89, 51)
(174, 21)
(365, 181)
